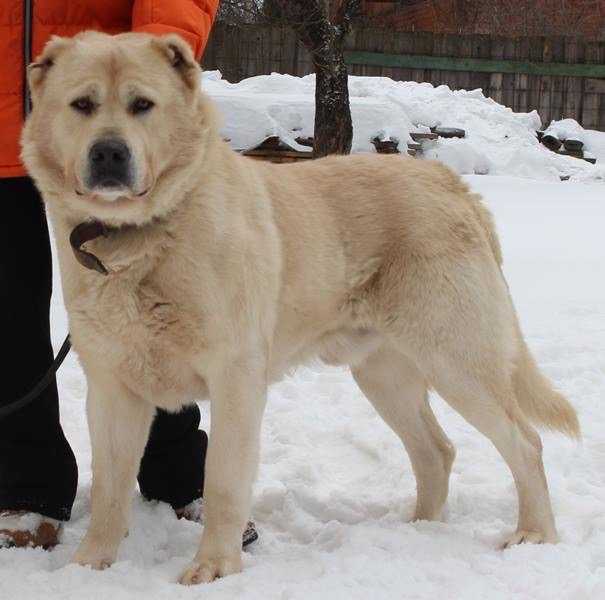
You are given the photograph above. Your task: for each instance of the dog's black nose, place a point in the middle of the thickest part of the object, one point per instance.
(109, 164)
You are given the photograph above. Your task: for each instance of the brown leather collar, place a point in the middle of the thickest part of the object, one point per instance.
(86, 232)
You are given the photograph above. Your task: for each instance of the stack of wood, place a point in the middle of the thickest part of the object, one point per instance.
(419, 139)
(274, 149)
(565, 147)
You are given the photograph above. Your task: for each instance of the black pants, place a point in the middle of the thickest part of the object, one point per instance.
(38, 470)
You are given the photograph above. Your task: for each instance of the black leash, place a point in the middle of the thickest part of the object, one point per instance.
(9, 409)
(81, 234)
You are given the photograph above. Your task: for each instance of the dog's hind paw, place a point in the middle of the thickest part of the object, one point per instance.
(207, 571)
(523, 536)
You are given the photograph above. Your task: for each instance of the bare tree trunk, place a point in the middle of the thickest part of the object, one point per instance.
(333, 123)
(324, 41)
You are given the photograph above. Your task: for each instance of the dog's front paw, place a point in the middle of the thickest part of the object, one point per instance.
(206, 571)
(88, 555)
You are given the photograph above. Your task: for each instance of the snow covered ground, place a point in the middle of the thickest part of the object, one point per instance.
(335, 488)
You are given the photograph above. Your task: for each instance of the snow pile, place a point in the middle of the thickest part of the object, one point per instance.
(498, 141)
(284, 105)
(335, 488)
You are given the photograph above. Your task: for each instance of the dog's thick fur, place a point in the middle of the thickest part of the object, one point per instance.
(226, 273)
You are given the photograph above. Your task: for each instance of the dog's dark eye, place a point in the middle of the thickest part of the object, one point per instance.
(141, 105)
(84, 105)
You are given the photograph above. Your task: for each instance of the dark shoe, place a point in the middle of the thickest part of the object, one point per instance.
(194, 511)
(250, 534)
(22, 529)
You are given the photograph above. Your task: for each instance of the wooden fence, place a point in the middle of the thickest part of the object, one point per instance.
(559, 77)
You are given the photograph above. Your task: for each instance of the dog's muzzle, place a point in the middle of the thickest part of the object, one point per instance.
(109, 165)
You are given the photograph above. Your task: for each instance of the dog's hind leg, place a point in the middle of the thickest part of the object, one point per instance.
(119, 424)
(453, 314)
(493, 410)
(398, 391)
(467, 348)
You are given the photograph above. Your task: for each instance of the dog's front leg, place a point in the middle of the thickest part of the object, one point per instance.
(119, 424)
(238, 392)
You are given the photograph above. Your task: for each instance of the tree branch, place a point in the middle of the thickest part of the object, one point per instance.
(347, 11)
(309, 18)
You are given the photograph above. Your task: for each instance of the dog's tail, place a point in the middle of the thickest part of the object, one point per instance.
(539, 401)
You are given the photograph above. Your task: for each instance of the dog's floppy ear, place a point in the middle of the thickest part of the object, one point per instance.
(180, 56)
(38, 70)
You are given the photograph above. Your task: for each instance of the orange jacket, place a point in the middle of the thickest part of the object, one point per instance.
(190, 18)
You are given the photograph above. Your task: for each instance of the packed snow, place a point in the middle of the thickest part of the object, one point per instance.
(335, 488)
(498, 141)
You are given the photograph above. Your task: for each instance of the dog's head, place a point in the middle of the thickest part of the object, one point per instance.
(116, 123)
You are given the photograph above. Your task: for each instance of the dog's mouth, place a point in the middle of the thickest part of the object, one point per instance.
(112, 193)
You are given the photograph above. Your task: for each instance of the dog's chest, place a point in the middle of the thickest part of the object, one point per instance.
(146, 335)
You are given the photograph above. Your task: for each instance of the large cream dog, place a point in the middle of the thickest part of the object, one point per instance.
(224, 273)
